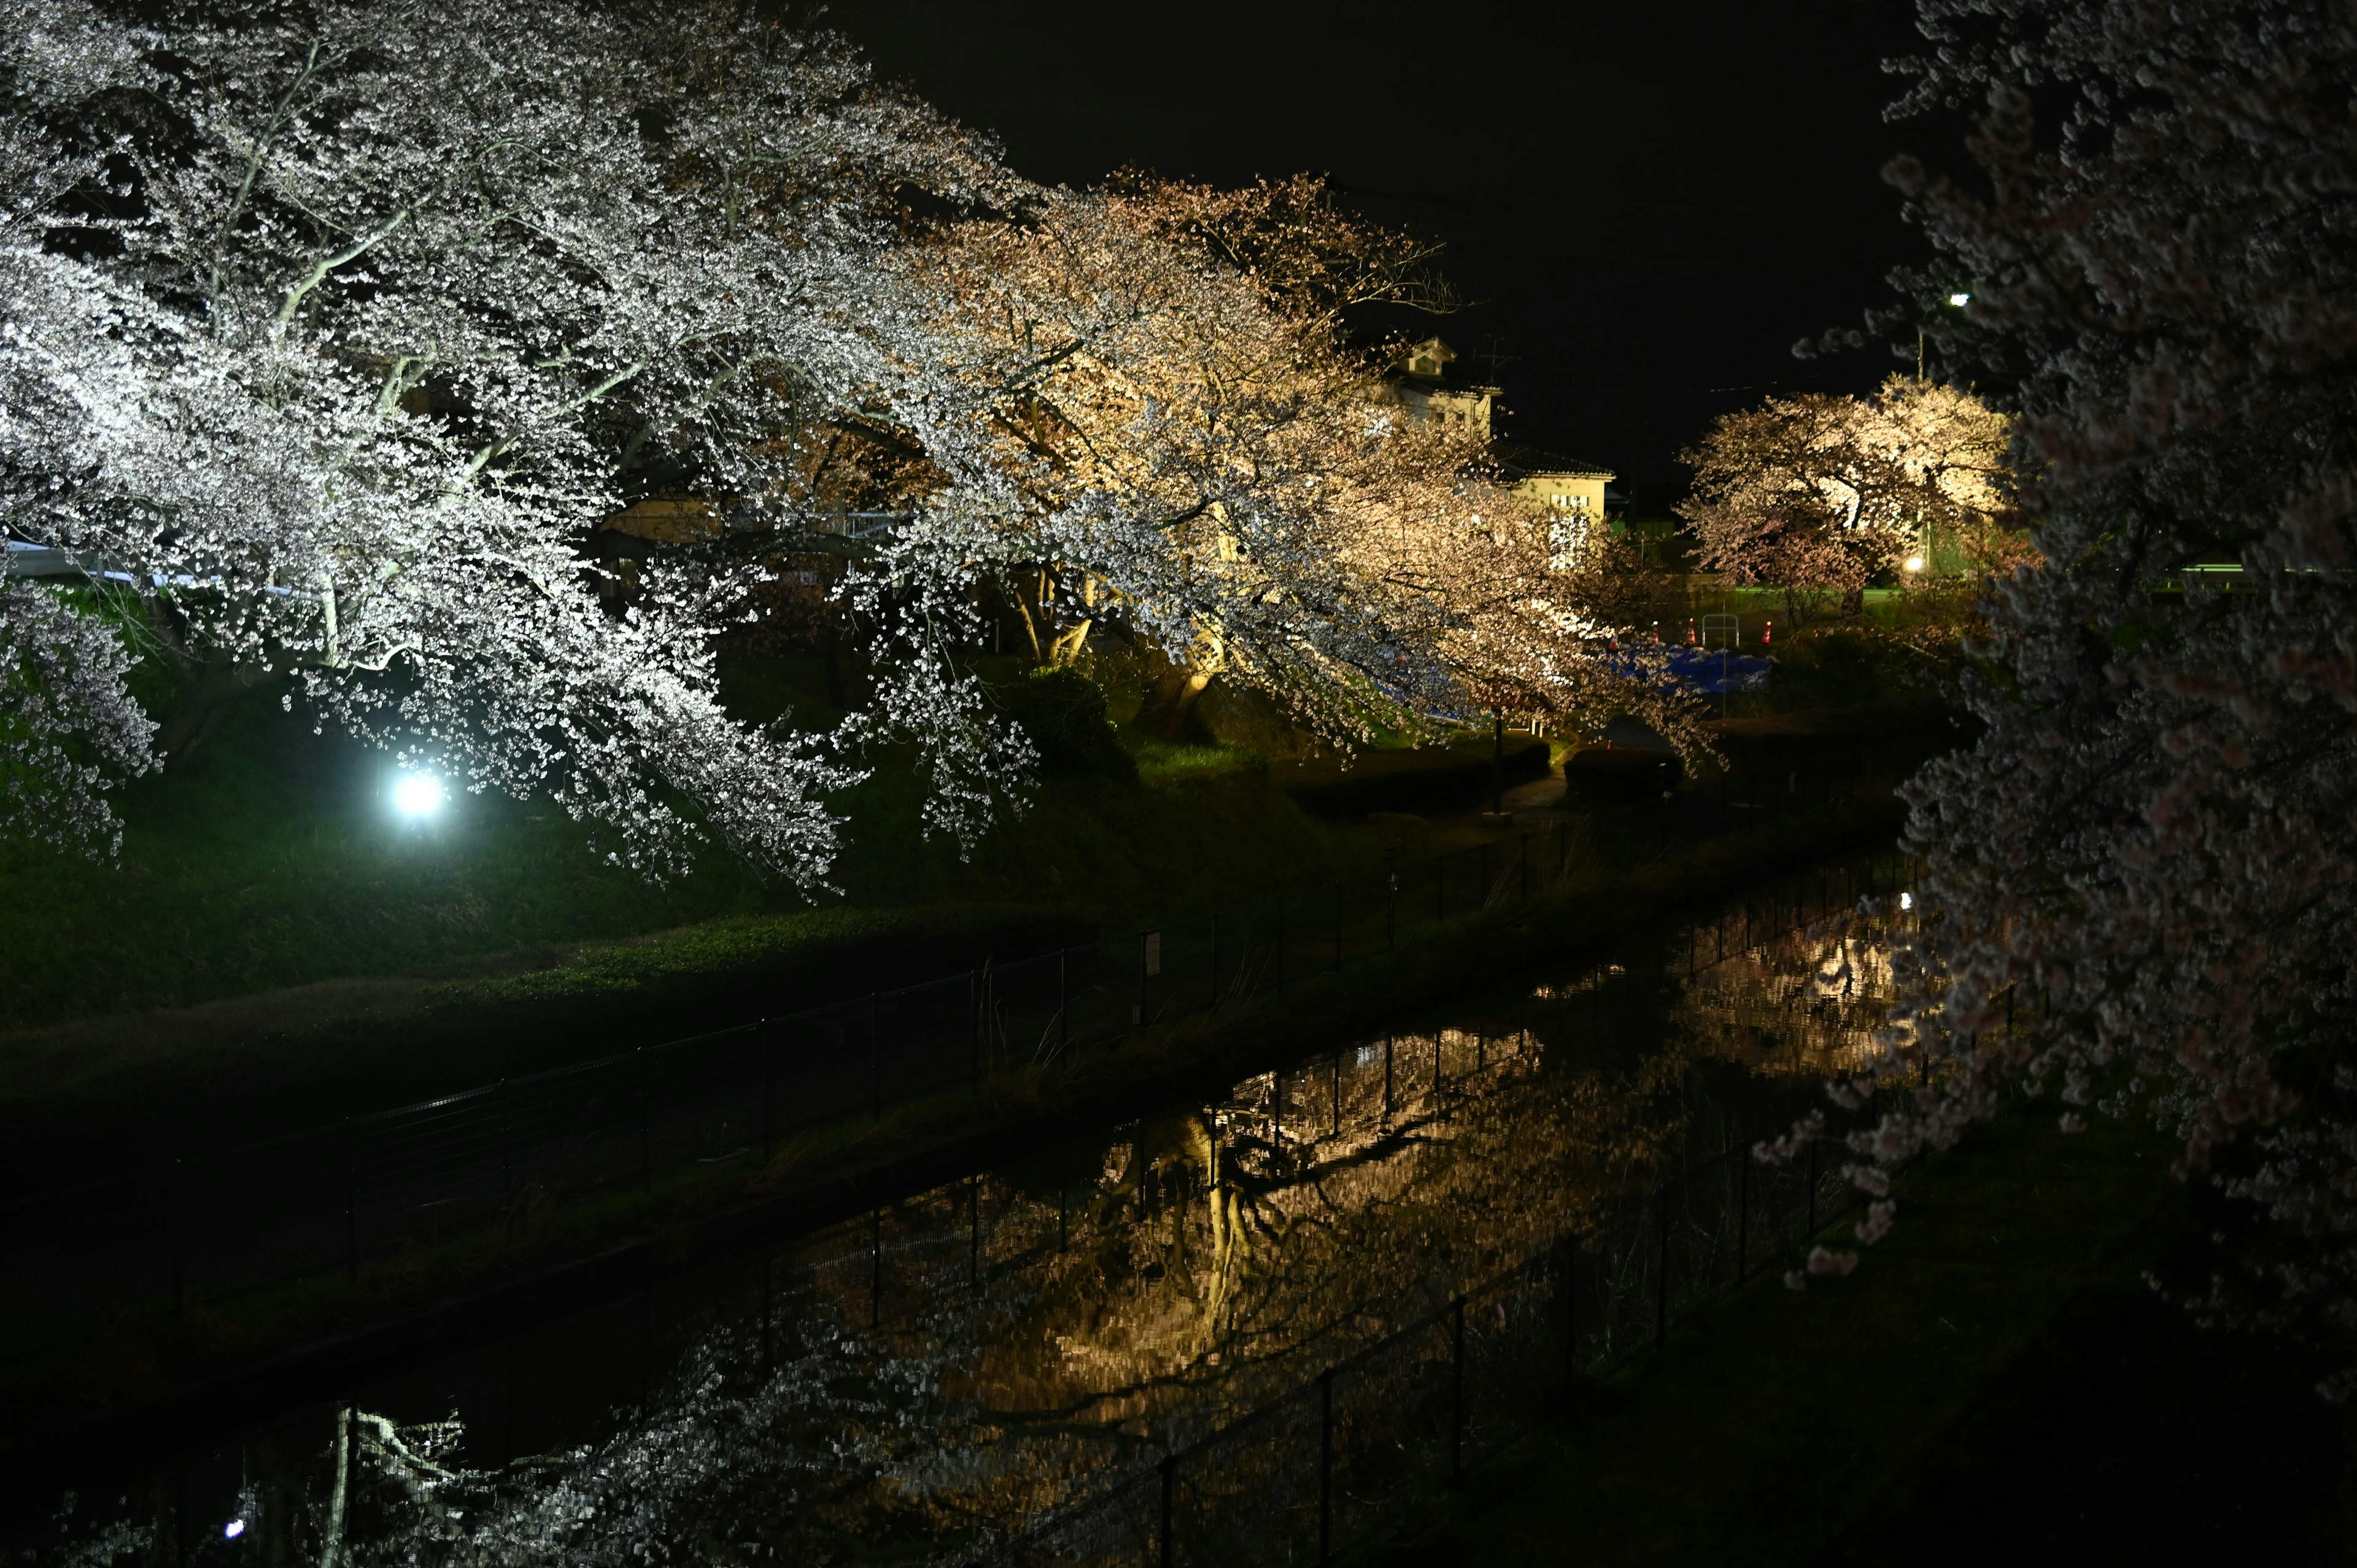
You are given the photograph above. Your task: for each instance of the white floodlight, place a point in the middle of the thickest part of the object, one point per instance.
(1914, 562)
(1907, 901)
(418, 796)
(1959, 300)
(232, 1530)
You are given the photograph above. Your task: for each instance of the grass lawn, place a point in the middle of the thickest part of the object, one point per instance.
(1994, 1384)
(278, 864)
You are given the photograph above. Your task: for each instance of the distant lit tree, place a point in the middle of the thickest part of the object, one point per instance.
(1819, 494)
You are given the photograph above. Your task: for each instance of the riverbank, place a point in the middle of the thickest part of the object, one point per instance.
(75, 1372)
(1984, 1388)
(271, 955)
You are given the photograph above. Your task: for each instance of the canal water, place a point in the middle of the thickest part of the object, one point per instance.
(919, 1383)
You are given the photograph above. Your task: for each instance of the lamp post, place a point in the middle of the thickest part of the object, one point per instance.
(1957, 301)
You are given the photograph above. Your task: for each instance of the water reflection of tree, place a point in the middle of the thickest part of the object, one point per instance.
(1805, 1007)
(1063, 1323)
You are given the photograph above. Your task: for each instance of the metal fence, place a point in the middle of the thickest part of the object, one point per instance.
(1333, 1463)
(360, 1198)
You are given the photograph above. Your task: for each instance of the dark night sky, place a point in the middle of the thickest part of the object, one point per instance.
(1650, 200)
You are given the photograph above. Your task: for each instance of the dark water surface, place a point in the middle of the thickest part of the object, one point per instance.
(918, 1382)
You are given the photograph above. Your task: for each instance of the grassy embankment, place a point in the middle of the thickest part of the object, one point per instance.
(277, 864)
(1996, 1384)
(310, 956)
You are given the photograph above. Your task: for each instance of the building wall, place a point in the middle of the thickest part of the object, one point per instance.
(1566, 492)
(1574, 506)
(1447, 406)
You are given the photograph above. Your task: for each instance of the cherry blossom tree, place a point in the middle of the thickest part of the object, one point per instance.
(1168, 441)
(2147, 860)
(1820, 493)
(355, 318)
(341, 325)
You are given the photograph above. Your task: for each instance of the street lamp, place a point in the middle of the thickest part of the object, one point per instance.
(1959, 301)
(418, 796)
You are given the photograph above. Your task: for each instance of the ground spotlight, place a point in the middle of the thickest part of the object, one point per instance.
(418, 796)
(232, 1530)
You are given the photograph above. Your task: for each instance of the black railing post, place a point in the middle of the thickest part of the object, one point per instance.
(875, 1060)
(646, 1135)
(1169, 1464)
(1457, 1393)
(1215, 960)
(180, 1241)
(1337, 927)
(1326, 1465)
(1742, 1212)
(1567, 1283)
(1812, 1187)
(1280, 942)
(1662, 1264)
(980, 993)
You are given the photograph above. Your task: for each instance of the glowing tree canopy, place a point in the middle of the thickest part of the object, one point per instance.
(336, 328)
(1819, 493)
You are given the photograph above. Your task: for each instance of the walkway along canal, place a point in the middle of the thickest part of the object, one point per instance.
(1237, 1330)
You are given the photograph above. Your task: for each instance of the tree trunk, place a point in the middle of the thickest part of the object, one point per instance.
(209, 692)
(1170, 700)
(1069, 644)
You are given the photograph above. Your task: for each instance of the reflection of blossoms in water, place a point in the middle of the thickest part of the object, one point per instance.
(748, 1456)
(1805, 1005)
(1000, 1346)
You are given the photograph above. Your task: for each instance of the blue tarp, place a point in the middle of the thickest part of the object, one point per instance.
(1694, 669)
